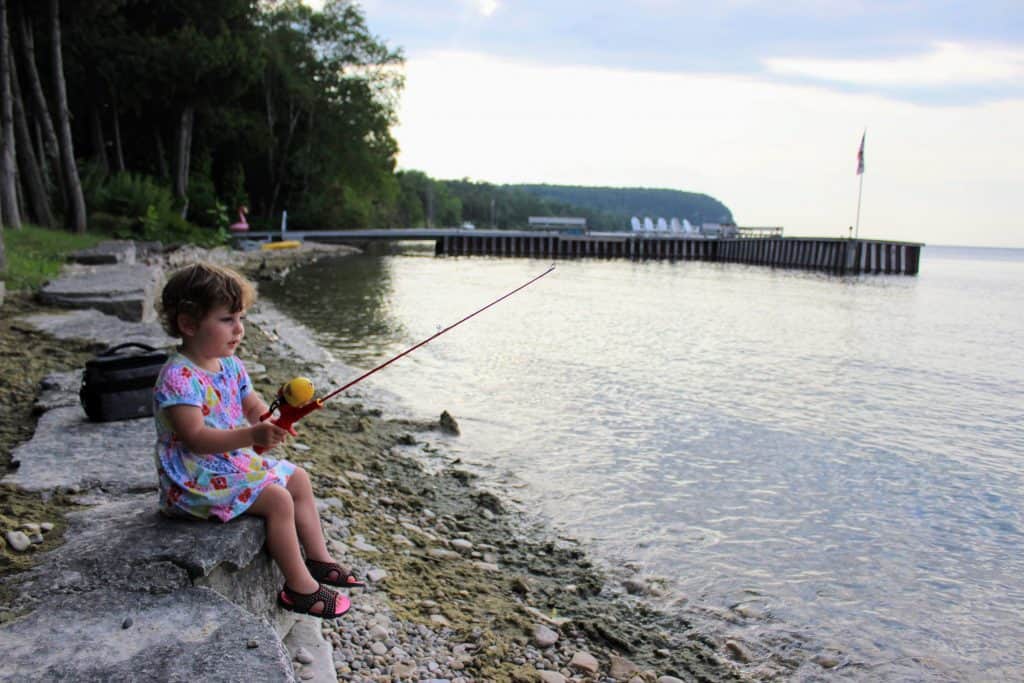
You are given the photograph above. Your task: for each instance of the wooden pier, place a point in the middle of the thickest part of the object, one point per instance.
(833, 255)
(841, 256)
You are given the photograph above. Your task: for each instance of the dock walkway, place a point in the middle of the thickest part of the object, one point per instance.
(835, 255)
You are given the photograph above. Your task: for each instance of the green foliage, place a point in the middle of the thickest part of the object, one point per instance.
(35, 255)
(293, 110)
(134, 206)
(621, 203)
(132, 194)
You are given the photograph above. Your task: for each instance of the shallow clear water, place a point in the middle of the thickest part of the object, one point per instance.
(817, 463)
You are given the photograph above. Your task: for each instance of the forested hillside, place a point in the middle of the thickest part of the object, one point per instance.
(625, 202)
(605, 208)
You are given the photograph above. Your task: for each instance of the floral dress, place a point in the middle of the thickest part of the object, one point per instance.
(221, 485)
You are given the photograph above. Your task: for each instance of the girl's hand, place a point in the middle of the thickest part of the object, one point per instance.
(267, 434)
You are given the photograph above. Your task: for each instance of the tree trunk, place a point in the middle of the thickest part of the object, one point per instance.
(294, 114)
(118, 150)
(50, 146)
(161, 153)
(8, 172)
(28, 162)
(74, 206)
(99, 145)
(182, 151)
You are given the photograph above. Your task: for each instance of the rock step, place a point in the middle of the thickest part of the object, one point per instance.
(124, 290)
(106, 253)
(191, 634)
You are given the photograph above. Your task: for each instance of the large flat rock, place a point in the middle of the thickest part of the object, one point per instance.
(106, 253)
(124, 290)
(193, 634)
(68, 451)
(129, 545)
(99, 327)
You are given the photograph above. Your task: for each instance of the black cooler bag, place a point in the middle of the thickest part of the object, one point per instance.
(118, 384)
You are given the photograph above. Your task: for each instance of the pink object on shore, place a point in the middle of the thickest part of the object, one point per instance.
(241, 225)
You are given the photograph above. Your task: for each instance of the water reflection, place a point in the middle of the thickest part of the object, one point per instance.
(819, 464)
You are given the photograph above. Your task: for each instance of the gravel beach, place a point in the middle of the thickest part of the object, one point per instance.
(462, 585)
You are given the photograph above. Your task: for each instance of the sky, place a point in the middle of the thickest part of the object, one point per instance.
(759, 103)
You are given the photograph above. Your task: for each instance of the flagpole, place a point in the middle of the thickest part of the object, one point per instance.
(860, 172)
(856, 230)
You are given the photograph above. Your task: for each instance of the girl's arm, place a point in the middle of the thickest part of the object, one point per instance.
(253, 407)
(188, 425)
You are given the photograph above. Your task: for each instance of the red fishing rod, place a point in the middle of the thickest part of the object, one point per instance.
(295, 400)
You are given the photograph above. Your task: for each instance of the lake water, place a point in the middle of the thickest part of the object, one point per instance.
(819, 464)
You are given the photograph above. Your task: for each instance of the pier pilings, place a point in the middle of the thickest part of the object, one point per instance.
(836, 255)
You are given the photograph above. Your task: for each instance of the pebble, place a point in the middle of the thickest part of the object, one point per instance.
(737, 651)
(403, 670)
(826, 661)
(462, 544)
(376, 575)
(487, 566)
(544, 636)
(302, 655)
(253, 644)
(307, 675)
(361, 544)
(622, 667)
(584, 661)
(551, 677)
(378, 648)
(30, 528)
(750, 611)
(18, 541)
(46, 526)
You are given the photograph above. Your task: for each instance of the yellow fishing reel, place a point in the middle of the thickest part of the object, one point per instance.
(297, 392)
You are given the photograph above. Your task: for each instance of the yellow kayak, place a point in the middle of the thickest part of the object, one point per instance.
(284, 244)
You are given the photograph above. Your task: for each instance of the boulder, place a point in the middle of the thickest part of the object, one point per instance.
(106, 253)
(185, 635)
(125, 291)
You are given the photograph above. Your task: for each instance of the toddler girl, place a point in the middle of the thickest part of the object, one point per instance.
(207, 421)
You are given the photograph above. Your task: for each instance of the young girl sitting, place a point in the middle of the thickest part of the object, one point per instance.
(207, 421)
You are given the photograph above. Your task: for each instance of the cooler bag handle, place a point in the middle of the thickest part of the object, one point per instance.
(139, 345)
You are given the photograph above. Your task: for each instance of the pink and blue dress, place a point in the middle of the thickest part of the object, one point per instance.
(221, 485)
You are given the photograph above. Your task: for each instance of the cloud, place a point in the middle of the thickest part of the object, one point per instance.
(775, 153)
(487, 7)
(947, 64)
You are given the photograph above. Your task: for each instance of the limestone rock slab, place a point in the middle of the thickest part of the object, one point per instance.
(69, 451)
(189, 635)
(99, 327)
(106, 253)
(128, 545)
(307, 635)
(126, 291)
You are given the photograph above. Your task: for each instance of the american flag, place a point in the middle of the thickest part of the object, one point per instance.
(860, 154)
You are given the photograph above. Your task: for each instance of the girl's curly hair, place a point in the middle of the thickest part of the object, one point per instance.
(197, 289)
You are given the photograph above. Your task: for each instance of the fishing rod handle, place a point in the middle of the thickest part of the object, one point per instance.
(288, 415)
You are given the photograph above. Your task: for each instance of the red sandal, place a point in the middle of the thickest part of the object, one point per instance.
(343, 578)
(334, 604)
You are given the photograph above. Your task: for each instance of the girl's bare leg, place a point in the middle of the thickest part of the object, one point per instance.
(307, 519)
(276, 507)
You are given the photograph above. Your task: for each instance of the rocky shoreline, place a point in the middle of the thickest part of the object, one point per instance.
(462, 586)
